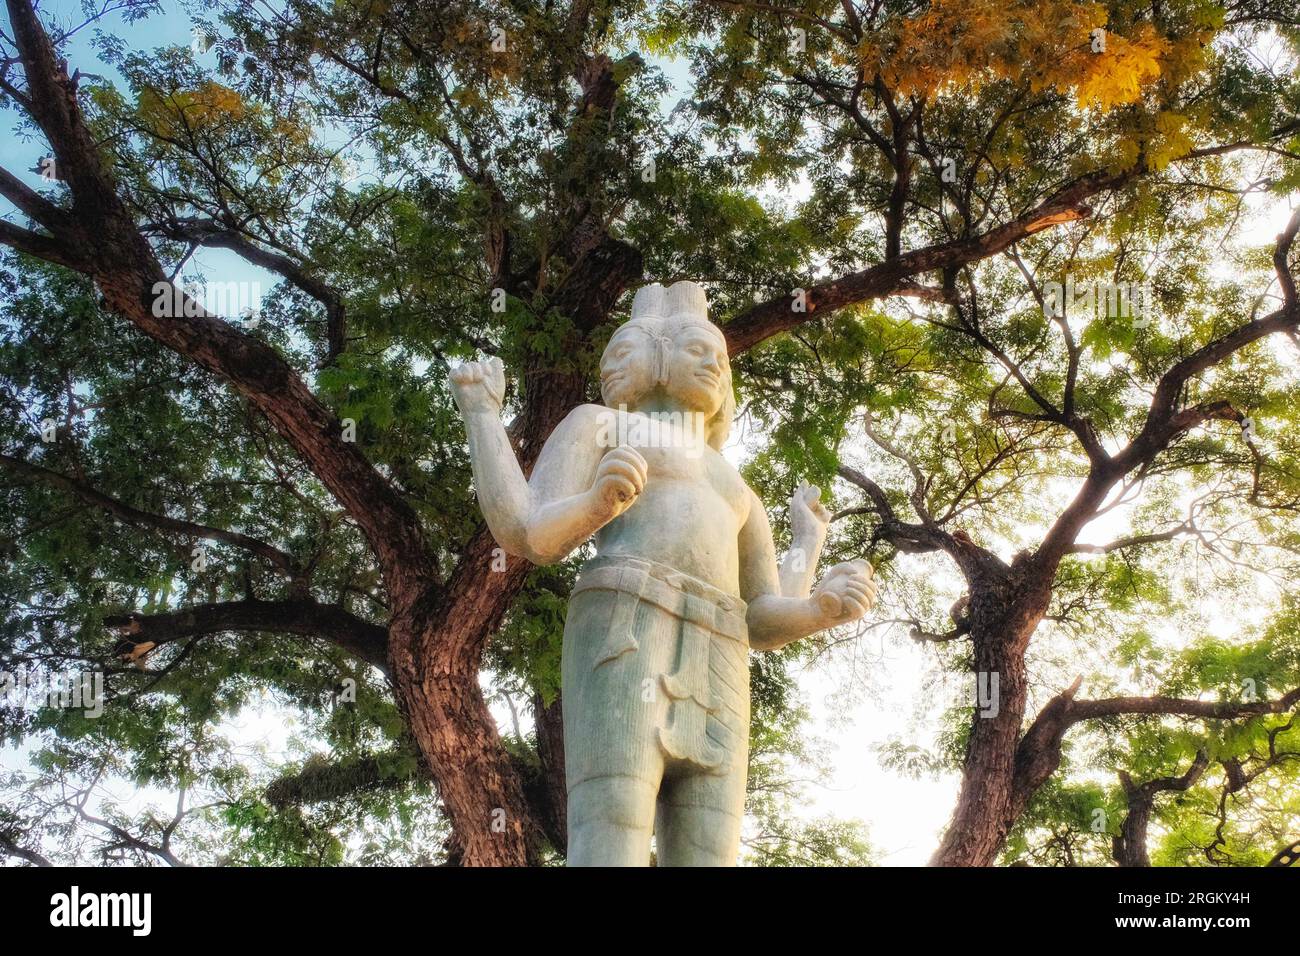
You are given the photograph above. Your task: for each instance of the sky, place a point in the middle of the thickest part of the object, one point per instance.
(21, 154)
(860, 697)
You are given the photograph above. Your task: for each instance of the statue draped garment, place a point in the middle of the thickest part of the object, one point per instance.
(656, 683)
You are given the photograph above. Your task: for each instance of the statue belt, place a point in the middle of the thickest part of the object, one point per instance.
(704, 612)
(681, 595)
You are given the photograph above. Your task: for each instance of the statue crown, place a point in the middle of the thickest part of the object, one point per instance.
(679, 300)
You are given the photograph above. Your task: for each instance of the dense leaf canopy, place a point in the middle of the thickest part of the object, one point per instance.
(885, 201)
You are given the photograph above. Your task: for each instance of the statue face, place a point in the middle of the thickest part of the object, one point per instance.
(697, 366)
(684, 361)
(628, 366)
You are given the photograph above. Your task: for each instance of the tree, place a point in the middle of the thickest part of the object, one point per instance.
(521, 178)
(1040, 402)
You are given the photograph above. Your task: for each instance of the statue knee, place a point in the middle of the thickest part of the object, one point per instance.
(610, 822)
(697, 836)
(622, 801)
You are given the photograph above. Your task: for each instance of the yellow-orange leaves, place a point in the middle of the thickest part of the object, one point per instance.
(1116, 75)
(206, 105)
(1062, 44)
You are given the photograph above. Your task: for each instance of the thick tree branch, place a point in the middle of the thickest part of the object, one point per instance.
(209, 232)
(1039, 752)
(128, 514)
(303, 616)
(32, 204)
(776, 315)
(10, 848)
(978, 565)
(907, 536)
(322, 781)
(123, 264)
(1132, 541)
(1165, 421)
(1179, 707)
(1067, 204)
(39, 245)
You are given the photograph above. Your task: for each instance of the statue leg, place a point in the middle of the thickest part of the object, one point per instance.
(699, 814)
(698, 820)
(610, 821)
(612, 708)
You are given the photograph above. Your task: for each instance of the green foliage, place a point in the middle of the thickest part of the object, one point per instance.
(763, 183)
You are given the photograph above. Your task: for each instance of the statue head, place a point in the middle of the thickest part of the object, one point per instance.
(669, 350)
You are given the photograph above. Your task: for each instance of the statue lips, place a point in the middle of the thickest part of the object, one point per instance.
(711, 381)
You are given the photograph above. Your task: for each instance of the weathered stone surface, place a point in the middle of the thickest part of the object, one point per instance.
(684, 584)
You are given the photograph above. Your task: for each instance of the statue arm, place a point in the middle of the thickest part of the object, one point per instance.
(808, 521)
(545, 518)
(503, 493)
(577, 487)
(776, 617)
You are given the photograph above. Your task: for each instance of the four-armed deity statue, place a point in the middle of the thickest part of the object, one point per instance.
(685, 582)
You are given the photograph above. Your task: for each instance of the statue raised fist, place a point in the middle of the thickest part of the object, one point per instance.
(479, 386)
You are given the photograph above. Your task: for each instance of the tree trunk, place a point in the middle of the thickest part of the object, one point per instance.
(436, 643)
(980, 821)
(986, 806)
(435, 651)
(552, 799)
(1130, 847)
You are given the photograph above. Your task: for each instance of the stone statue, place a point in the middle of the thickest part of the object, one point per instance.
(685, 581)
